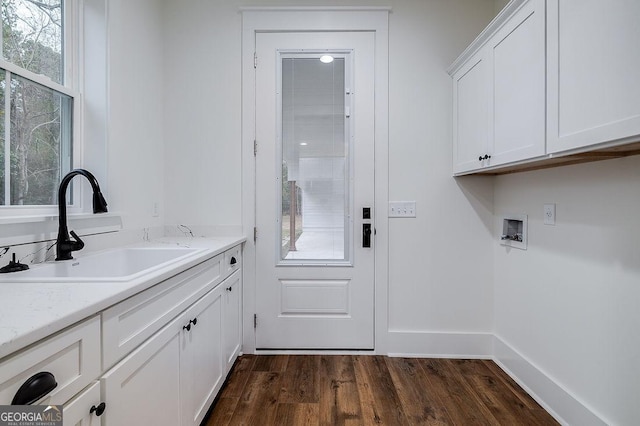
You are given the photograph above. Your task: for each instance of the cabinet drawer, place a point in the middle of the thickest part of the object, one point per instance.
(72, 356)
(129, 323)
(232, 260)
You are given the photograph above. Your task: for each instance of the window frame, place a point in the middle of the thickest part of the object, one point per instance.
(72, 84)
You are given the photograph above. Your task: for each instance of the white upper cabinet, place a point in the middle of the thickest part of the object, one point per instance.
(593, 68)
(518, 59)
(471, 113)
(499, 91)
(547, 83)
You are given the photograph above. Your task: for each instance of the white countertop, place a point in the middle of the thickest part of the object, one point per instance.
(30, 311)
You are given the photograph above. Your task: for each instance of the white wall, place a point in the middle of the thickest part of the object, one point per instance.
(569, 304)
(202, 97)
(440, 279)
(135, 147)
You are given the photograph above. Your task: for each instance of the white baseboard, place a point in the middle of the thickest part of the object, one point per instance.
(563, 406)
(439, 345)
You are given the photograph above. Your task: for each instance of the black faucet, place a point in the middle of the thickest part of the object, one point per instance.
(64, 245)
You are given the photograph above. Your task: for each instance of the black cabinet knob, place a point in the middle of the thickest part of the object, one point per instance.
(229, 288)
(480, 158)
(194, 321)
(487, 156)
(233, 260)
(187, 327)
(98, 410)
(34, 388)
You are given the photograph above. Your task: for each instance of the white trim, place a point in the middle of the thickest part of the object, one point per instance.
(565, 407)
(498, 22)
(284, 19)
(314, 8)
(349, 245)
(72, 45)
(40, 79)
(7, 146)
(427, 344)
(314, 352)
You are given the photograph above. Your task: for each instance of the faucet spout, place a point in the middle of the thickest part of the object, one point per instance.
(64, 244)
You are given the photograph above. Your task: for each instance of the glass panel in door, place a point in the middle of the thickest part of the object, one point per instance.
(315, 193)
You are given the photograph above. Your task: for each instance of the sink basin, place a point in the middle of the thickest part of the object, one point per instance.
(122, 264)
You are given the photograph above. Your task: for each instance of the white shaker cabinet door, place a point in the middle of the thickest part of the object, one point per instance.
(201, 358)
(593, 67)
(84, 409)
(518, 113)
(471, 105)
(232, 318)
(144, 388)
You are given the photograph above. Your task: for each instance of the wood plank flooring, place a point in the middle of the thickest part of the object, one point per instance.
(371, 390)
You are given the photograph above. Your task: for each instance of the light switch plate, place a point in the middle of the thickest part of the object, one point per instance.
(402, 209)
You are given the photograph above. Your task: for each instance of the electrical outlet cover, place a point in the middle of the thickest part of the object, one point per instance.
(549, 214)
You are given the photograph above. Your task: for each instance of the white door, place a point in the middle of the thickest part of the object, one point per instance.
(314, 182)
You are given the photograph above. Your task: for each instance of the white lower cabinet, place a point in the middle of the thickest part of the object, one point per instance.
(174, 376)
(144, 388)
(201, 359)
(232, 318)
(70, 359)
(165, 354)
(84, 409)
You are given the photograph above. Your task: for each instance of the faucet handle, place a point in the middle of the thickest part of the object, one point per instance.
(79, 244)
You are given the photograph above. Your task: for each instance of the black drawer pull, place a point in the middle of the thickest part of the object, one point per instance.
(229, 288)
(35, 388)
(99, 409)
(233, 260)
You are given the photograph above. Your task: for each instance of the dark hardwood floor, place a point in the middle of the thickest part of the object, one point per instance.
(371, 390)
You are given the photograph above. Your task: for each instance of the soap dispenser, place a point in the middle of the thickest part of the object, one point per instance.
(13, 266)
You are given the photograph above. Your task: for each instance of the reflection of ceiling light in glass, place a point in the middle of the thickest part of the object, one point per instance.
(303, 144)
(326, 59)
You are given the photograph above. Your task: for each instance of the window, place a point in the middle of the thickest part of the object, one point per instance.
(36, 100)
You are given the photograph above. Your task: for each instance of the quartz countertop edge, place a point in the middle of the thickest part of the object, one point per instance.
(32, 311)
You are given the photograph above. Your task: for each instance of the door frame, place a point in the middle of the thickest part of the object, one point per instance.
(344, 19)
